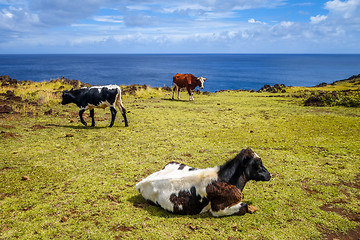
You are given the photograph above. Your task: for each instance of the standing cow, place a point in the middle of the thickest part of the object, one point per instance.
(188, 81)
(96, 97)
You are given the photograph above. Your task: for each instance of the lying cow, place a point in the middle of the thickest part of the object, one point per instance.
(186, 190)
(188, 81)
(96, 97)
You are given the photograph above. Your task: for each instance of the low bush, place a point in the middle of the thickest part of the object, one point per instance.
(343, 98)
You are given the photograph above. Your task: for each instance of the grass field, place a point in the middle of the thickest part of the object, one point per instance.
(62, 180)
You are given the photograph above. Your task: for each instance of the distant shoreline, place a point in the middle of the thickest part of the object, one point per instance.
(276, 88)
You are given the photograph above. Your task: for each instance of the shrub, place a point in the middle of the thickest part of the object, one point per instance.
(344, 98)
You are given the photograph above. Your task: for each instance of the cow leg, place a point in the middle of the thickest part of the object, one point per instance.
(113, 115)
(178, 93)
(173, 92)
(81, 112)
(191, 98)
(92, 114)
(239, 209)
(123, 111)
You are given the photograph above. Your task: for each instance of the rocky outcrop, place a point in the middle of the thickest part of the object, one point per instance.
(277, 88)
(73, 83)
(6, 81)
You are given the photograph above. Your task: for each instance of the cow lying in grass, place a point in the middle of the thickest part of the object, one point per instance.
(96, 97)
(186, 190)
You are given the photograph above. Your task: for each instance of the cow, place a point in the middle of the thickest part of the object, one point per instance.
(188, 81)
(96, 97)
(185, 190)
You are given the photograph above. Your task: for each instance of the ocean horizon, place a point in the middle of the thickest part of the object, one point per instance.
(223, 71)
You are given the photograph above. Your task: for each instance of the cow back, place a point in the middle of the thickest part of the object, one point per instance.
(185, 80)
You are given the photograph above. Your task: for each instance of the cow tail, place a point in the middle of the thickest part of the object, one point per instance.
(121, 106)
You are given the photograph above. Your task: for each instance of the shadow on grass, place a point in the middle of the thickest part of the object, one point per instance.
(139, 202)
(77, 126)
(175, 100)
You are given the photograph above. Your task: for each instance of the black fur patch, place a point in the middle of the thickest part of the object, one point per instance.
(188, 202)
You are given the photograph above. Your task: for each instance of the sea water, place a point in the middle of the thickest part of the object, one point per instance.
(223, 71)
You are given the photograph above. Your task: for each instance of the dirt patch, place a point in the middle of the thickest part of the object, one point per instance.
(49, 112)
(5, 109)
(307, 189)
(343, 212)
(355, 184)
(350, 235)
(9, 135)
(352, 216)
(123, 228)
(37, 126)
(7, 126)
(6, 168)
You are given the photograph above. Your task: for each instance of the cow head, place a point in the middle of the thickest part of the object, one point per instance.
(201, 83)
(247, 165)
(66, 97)
(253, 166)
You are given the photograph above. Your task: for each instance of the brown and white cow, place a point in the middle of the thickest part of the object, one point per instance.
(188, 81)
(181, 189)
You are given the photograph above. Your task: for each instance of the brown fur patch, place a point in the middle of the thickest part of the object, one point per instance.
(223, 195)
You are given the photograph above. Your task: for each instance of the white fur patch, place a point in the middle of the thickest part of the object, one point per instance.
(104, 104)
(159, 186)
(227, 211)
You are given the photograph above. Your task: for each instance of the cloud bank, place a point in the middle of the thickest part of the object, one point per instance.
(149, 26)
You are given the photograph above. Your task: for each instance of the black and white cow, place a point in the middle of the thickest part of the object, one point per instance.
(186, 190)
(96, 97)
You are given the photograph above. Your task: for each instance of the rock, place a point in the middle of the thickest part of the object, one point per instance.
(48, 112)
(5, 109)
(6, 81)
(25, 178)
(277, 88)
(323, 84)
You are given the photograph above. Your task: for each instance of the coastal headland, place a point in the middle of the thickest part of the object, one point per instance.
(62, 180)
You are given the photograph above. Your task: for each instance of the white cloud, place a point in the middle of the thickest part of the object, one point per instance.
(252, 20)
(318, 18)
(346, 9)
(286, 24)
(18, 20)
(109, 19)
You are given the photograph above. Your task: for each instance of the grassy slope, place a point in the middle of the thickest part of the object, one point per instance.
(82, 179)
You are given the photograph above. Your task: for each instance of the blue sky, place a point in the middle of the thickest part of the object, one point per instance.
(187, 26)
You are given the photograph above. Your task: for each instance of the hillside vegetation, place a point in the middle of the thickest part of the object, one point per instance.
(62, 180)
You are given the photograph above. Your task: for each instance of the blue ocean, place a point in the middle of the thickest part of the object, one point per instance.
(223, 71)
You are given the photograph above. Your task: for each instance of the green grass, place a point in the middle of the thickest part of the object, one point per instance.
(81, 179)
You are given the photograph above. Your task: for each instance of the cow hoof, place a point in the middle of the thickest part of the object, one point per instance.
(243, 209)
(85, 124)
(252, 209)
